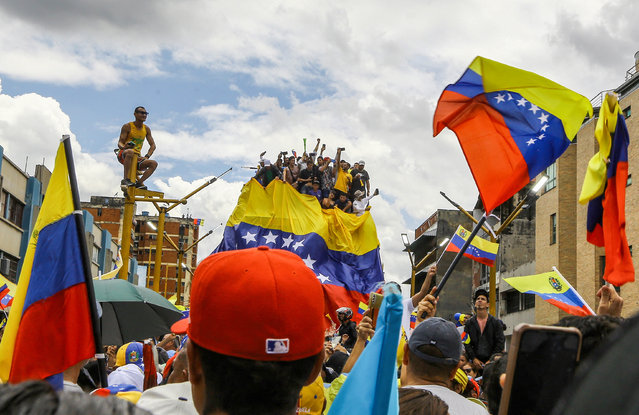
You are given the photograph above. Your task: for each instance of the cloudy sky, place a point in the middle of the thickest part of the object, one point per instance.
(225, 80)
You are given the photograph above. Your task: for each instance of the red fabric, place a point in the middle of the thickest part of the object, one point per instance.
(619, 267)
(269, 293)
(336, 297)
(150, 375)
(570, 309)
(481, 130)
(50, 342)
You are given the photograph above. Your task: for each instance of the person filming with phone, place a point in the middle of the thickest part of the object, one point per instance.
(485, 331)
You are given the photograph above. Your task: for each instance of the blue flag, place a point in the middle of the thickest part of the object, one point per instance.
(371, 387)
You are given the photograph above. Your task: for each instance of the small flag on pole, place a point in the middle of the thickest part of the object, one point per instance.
(363, 307)
(553, 288)
(479, 250)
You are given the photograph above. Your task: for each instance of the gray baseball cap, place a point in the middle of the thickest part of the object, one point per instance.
(440, 334)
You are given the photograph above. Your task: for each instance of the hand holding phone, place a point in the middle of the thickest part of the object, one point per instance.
(541, 362)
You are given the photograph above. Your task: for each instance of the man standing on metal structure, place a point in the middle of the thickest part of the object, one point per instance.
(131, 140)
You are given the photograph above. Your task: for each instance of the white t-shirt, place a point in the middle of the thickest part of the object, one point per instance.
(457, 404)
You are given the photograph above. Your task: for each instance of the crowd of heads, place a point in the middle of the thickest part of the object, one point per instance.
(335, 182)
(277, 356)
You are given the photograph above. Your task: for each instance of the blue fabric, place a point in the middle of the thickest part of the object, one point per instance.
(539, 135)
(371, 387)
(57, 254)
(361, 273)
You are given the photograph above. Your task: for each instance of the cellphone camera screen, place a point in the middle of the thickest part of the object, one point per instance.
(545, 365)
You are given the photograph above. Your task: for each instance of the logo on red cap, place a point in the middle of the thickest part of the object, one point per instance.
(276, 346)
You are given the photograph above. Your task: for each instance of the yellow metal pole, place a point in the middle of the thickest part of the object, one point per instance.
(178, 289)
(159, 244)
(492, 285)
(127, 221)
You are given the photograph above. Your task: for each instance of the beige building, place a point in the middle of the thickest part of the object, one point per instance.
(561, 220)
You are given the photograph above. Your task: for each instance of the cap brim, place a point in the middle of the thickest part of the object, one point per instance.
(180, 326)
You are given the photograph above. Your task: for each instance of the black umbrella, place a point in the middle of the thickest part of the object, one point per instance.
(131, 313)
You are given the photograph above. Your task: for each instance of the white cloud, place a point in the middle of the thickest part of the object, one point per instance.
(32, 126)
(373, 70)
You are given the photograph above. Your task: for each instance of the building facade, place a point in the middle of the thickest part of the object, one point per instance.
(561, 220)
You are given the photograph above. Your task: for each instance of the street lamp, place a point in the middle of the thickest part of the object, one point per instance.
(152, 226)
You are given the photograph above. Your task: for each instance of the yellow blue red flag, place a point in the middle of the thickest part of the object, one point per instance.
(553, 288)
(511, 125)
(49, 327)
(341, 248)
(479, 250)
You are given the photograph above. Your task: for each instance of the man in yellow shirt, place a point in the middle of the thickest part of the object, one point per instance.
(132, 138)
(343, 178)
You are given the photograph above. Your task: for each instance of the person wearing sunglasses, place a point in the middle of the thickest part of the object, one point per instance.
(132, 138)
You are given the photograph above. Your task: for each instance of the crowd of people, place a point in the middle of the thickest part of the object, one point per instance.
(334, 182)
(276, 356)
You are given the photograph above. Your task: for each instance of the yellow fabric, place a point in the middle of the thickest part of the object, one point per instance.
(462, 378)
(312, 398)
(280, 206)
(343, 180)
(137, 135)
(120, 356)
(595, 181)
(331, 392)
(131, 396)
(57, 204)
(563, 103)
(112, 274)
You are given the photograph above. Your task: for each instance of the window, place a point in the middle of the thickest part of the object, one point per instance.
(99, 211)
(529, 301)
(553, 228)
(629, 181)
(627, 112)
(9, 266)
(512, 301)
(12, 208)
(94, 253)
(551, 172)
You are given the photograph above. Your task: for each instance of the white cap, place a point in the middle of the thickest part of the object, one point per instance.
(170, 399)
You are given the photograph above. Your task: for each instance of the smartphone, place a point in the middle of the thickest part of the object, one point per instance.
(541, 362)
(374, 304)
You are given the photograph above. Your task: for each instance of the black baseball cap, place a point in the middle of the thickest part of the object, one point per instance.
(441, 334)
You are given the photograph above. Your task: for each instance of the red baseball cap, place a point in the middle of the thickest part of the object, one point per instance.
(259, 304)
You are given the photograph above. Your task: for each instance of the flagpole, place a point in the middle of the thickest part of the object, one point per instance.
(77, 213)
(453, 264)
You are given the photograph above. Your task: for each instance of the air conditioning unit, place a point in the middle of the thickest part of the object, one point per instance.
(4, 266)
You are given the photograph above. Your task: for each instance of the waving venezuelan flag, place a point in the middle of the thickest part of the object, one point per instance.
(49, 327)
(553, 288)
(510, 123)
(341, 248)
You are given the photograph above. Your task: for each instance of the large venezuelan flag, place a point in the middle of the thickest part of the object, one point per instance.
(553, 288)
(341, 248)
(479, 250)
(510, 123)
(49, 327)
(606, 220)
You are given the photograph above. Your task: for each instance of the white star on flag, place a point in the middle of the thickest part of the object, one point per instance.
(248, 237)
(500, 98)
(323, 278)
(298, 244)
(270, 238)
(287, 241)
(534, 108)
(543, 118)
(541, 136)
(531, 141)
(308, 261)
(521, 102)
(543, 127)
(510, 97)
